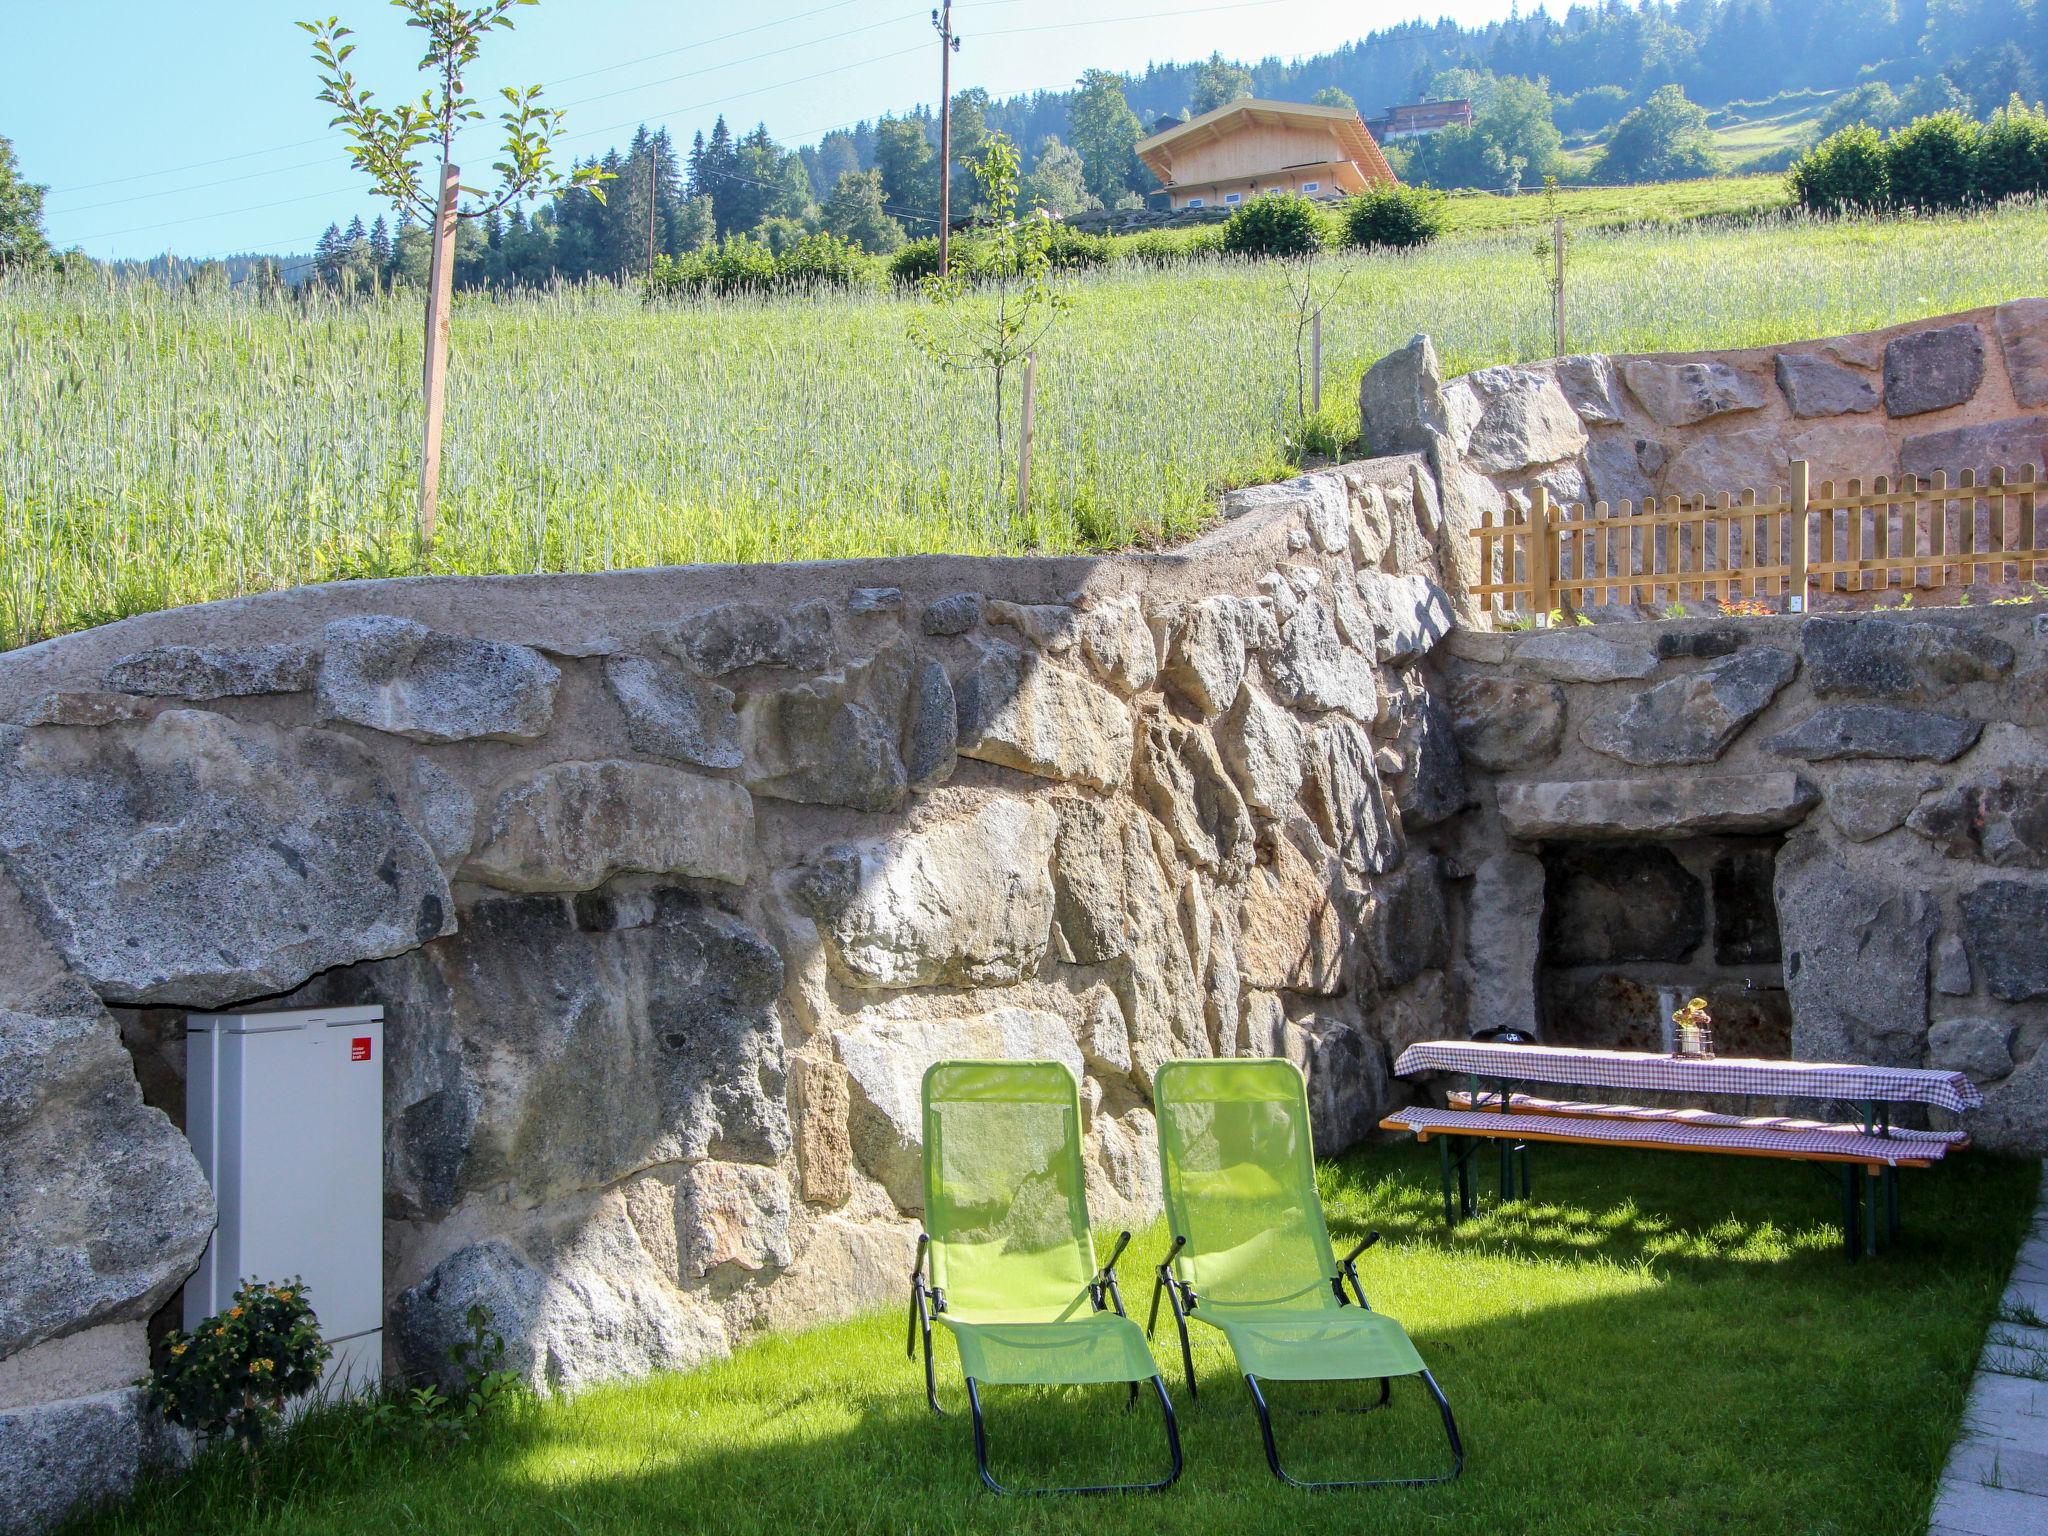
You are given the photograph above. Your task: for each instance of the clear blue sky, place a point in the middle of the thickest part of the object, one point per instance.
(115, 104)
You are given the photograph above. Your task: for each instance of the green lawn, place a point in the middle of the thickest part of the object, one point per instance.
(1654, 1344)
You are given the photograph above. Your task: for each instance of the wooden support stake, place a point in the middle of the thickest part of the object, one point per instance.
(434, 373)
(1024, 429)
(1315, 361)
(1538, 555)
(1802, 493)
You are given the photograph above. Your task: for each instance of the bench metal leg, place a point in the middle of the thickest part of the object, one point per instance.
(1850, 1206)
(1443, 1164)
(1891, 1205)
(1870, 1183)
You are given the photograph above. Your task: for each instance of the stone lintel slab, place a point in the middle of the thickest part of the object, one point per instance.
(1656, 808)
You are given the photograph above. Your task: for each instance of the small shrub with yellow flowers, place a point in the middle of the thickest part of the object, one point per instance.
(234, 1373)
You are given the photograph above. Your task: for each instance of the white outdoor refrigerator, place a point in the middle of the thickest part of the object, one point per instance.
(286, 1114)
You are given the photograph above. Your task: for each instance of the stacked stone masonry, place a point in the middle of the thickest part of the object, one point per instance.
(673, 882)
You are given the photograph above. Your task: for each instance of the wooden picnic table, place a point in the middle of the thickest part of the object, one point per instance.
(1513, 1119)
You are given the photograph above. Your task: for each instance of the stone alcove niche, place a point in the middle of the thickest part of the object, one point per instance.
(1623, 922)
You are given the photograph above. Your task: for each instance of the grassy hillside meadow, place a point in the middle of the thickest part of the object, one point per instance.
(162, 447)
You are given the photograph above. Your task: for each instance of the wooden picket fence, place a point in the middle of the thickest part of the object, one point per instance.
(1914, 532)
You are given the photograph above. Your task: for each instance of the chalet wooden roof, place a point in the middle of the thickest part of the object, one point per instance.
(1345, 125)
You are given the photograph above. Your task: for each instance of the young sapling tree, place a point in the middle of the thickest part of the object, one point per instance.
(386, 144)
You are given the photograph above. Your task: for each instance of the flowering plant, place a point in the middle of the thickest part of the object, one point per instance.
(1693, 1022)
(234, 1373)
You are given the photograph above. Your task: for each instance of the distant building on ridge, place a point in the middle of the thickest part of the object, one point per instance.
(1418, 118)
(1248, 147)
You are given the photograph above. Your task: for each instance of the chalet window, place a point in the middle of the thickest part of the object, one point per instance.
(1233, 197)
(1194, 202)
(1311, 186)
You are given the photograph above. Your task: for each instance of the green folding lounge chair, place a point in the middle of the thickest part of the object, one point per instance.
(1251, 1254)
(1012, 1267)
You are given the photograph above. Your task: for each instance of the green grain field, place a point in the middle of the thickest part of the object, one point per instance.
(163, 447)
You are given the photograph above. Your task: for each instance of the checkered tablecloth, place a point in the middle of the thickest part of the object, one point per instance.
(1831, 1145)
(1845, 1082)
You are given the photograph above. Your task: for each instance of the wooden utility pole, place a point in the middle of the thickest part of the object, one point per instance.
(434, 383)
(942, 19)
(653, 160)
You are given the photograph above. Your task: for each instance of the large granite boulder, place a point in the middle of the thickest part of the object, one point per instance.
(734, 636)
(671, 714)
(1856, 957)
(1119, 646)
(1932, 370)
(1400, 400)
(1293, 936)
(1205, 648)
(1103, 865)
(2001, 818)
(2006, 445)
(1312, 668)
(399, 676)
(1579, 655)
(1182, 781)
(1693, 718)
(841, 739)
(886, 1059)
(1504, 941)
(1346, 801)
(1912, 660)
(576, 1307)
(557, 1045)
(1606, 809)
(2003, 924)
(1503, 723)
(1023, 712)
(1349, 1084)
(1509, 419)
(1837, 731)
(2022, 326)
(1430, 786)
(1616, 470)
(199, 673)
(195, 861)
(1262, 746)
(1680, 394)
(963, 897)
(573, 826)
(1587, 380)
(106, 1210)
(1409, 615)
(63, 1458)
(1406, 925)
(1819, 386)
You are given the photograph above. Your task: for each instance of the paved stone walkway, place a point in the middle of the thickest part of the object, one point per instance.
(1996, 1481)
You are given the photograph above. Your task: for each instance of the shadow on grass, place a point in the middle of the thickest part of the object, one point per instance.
(1653, 1344)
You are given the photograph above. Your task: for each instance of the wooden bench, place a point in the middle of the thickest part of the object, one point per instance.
(1850, 1147)
(1935, 1143)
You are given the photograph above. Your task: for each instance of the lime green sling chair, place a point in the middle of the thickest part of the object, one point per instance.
(1251, 1254)
(1012, 1270)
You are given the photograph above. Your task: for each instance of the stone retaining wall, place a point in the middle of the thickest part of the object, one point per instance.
(672, 883)
(1962, 391)
(1855, 807)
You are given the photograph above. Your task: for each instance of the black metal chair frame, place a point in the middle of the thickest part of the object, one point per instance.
(1182, 1298)
(928, 1301)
